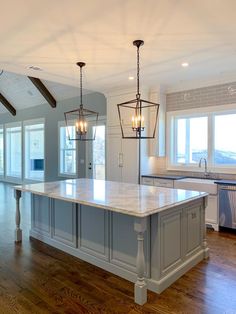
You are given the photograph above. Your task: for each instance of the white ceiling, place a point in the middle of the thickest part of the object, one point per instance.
(22, 94)
(55, 34)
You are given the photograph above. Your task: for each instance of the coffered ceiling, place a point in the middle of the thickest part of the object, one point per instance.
(55, 34)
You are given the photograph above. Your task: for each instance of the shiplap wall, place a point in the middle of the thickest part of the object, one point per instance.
(202, 97)
(221, 94)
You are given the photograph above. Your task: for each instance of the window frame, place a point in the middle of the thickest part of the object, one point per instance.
(7, 176)
(2, 174)
(210, 112)
(64, 174)
(25, 124)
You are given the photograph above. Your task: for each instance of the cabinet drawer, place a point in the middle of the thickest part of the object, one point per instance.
(164, 183)
(147, 181)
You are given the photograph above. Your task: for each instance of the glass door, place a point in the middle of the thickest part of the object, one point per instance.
(96, 154)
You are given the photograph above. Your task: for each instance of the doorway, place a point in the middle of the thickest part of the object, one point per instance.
(96, 153)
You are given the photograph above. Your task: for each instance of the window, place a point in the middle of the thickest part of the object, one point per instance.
(202, 133)
(34, 150)
(67, 157)
(1, 150)
(225, 143)
(13, 150)
(191, 139)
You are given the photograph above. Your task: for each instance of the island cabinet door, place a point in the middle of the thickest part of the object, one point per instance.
(64, 222)
(93, 231)
(124, 244)
(192, 230)
(167, 242)
(41, 214)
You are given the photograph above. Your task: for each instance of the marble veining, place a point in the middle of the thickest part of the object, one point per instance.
(131, 199)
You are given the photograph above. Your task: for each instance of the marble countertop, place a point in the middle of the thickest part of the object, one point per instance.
(131, 199)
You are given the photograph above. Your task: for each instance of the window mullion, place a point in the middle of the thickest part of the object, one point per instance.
(174, 136)
(187, 143)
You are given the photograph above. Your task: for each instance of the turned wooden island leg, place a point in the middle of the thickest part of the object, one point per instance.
(18, 231)
(140, 290)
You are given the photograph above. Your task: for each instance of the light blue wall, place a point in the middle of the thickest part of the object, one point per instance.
(93, 101)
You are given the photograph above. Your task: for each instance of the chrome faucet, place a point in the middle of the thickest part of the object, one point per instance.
(206, 173)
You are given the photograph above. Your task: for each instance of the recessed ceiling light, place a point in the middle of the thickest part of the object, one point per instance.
(184, 64)
(131, 78)
(35, 68)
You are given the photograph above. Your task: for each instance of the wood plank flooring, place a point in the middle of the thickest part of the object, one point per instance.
(36, 278)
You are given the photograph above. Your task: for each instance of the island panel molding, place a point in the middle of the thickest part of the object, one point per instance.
(148, 235)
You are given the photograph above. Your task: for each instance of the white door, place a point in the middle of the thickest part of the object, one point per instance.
(96, 154)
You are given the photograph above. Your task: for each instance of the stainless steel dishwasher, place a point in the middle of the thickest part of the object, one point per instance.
(227, 206)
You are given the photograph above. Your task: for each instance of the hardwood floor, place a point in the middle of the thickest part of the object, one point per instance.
(36, 278)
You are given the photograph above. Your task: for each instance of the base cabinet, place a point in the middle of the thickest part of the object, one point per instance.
(41, 214)
(212, 211)
(93, 231)
(173, 241)
(64, 226)
(171, 244)
(159, 182)
(123, 250)
(180, 235)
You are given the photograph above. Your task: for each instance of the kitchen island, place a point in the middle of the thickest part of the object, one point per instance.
(145, 234)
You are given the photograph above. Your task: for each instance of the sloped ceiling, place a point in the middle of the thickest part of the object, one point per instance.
(21, 93)
(55, 34)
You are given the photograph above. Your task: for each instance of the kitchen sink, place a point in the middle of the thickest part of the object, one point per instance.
(197, 184)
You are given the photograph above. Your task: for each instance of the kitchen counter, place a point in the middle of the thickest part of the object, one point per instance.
(148, 235)
(164, 176)
(225, 182)
(130, 199)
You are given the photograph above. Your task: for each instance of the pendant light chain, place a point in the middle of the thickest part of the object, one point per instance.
(81, 103)
(138, 94)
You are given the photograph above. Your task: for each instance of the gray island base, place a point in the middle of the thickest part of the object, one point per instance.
(148, 235)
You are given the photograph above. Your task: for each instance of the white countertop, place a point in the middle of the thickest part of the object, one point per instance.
(131, 199)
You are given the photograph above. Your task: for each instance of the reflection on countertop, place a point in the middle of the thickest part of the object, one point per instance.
(131, 199)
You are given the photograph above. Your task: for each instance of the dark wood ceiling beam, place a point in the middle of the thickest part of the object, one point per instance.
(44, 91)
(7, 105)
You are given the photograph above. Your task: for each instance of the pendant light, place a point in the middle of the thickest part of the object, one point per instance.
(79, 120)
(134, 114)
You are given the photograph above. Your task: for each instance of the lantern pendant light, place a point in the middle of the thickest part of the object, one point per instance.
(134, 114)
(78, 120)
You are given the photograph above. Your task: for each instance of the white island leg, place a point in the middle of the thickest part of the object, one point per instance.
(18, 231)
(140, 290)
